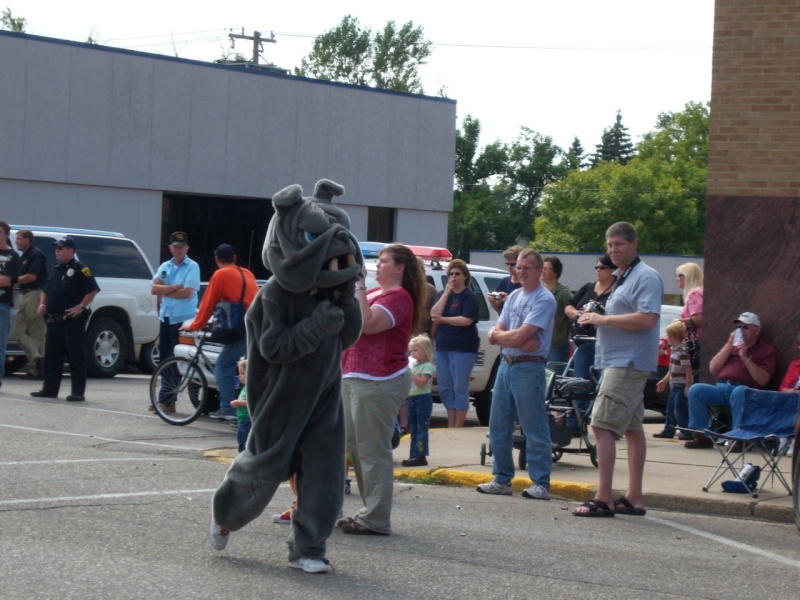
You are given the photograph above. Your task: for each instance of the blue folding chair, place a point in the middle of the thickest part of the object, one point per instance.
(767, 426)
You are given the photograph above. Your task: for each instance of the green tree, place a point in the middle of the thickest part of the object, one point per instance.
(662, 192)
(480, 216)
(533, 162)
(615, 145)
(12, 23)
(574, 158)
(388, 59)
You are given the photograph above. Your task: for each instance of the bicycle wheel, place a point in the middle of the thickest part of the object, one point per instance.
(178, 390)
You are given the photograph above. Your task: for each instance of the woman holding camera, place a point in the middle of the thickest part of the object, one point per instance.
(597, 291)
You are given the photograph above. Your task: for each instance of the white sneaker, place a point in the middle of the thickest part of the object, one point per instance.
(284, 518)
(536, 492)
(310, 565)
(495, 488)
(218, 535)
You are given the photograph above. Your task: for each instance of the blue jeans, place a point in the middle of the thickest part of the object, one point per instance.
(559, 354)
(583, 361)
(167, 340)
(453, 370)
(227, 373)
(702, 395)
(419, 422)
(242, 431)
(677, 409)
(5, 327)
(519, 390)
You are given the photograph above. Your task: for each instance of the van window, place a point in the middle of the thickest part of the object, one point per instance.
(110, 257)
(483, 305)
(106, 257)
(492, 281)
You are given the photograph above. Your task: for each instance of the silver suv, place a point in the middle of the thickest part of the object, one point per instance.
(123, 326)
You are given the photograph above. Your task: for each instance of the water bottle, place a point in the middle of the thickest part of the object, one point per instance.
(747, 470)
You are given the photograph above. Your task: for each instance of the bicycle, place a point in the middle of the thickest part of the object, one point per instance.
(179, 390)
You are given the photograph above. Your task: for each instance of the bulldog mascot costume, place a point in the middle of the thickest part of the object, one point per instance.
(297, 327)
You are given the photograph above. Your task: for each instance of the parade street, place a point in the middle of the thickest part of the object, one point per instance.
(101, 499)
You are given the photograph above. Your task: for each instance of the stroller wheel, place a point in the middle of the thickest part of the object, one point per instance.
(484, 454)
(523, 459)
(593, 455)
(557, 453)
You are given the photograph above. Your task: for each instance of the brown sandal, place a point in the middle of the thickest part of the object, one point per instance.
(356, 528)
(346, 521)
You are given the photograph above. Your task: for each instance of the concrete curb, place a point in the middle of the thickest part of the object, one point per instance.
(581, 492)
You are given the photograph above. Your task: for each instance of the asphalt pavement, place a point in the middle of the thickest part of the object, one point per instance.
(102, 499)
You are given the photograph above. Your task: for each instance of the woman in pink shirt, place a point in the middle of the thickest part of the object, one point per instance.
(690, 280)
(376, 380)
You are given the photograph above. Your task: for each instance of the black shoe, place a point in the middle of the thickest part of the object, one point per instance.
(416, 461)
(43, 394)
(75, 398)
(664, 435)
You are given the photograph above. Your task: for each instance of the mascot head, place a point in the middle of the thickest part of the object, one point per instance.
(309, 245)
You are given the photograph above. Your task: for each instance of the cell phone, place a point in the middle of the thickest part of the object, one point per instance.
(737, 337)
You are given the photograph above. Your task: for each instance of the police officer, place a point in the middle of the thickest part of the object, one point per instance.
(67, 294)
(29, 326)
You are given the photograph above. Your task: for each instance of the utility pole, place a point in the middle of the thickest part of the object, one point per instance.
(258, 41)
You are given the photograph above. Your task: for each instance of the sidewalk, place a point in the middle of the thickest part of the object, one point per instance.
(673, 480)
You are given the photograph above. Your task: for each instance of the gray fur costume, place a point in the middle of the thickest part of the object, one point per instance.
(297, 327)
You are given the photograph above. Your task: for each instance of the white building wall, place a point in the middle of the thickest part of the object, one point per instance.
(134, 213)
(111, 130)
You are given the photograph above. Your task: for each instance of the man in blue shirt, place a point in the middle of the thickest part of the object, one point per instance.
(626, 351)
(524, 332)
(176, 284)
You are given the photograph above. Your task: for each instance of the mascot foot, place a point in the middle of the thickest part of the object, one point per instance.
(218, 536)
(311, 565)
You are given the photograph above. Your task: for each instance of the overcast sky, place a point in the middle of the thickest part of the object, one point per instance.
(562, 68)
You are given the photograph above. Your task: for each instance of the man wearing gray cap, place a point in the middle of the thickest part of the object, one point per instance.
(743, 362)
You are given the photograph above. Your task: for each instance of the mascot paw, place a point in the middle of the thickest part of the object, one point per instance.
(328, 319)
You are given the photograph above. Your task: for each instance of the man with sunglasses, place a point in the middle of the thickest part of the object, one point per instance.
(745, 361)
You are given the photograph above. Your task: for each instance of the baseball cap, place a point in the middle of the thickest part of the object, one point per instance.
(66, 241)
(748, 318)
(225, 252)
(179, 238)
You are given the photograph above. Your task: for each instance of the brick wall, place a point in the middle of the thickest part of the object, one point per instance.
(752, 257)
(754, 144)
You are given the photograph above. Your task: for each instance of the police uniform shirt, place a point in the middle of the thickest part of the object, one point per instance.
(9, 266)
(33, 262)
(66, 286)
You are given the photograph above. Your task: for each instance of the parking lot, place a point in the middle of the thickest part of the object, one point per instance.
(102, 499)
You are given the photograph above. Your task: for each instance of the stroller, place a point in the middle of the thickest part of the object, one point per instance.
(568, 403)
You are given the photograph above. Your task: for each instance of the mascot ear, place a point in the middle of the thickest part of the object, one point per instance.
(287, 197)
(325, 189)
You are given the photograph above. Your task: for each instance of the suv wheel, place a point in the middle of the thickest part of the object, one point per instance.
(149, 358)
(106, 348)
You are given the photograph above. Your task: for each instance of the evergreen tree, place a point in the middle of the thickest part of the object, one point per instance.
(575, 155)
(616, 144)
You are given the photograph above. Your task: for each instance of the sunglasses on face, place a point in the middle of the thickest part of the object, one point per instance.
(601, 267)
(511, 264)
(745, 327)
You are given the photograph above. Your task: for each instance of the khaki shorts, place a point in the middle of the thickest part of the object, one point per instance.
(619, 406)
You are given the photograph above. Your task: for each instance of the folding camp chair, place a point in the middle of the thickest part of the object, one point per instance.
(766, 418)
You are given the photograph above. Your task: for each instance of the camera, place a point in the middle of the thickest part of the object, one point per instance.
(593, 306)
(496, 295)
